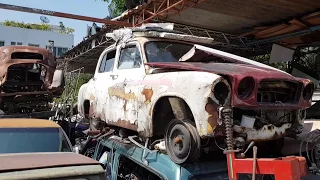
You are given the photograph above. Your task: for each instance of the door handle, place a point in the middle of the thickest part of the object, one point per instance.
(114, 76)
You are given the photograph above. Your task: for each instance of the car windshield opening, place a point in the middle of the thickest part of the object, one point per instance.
(166, 51)
(20, 140)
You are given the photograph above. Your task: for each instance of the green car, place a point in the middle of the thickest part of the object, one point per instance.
(123, 159)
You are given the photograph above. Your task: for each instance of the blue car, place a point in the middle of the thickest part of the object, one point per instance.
(123, 159)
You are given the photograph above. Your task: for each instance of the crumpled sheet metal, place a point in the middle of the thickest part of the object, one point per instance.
(48, 60)
(267, 132)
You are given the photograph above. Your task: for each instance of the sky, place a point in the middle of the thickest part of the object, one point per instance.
(92, 8)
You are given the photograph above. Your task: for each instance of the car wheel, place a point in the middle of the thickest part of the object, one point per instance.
(182, 141)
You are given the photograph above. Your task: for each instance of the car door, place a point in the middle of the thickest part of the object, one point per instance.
(102, 81)
(129, 70)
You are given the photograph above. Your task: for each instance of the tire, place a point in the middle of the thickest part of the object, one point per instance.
(182, 141)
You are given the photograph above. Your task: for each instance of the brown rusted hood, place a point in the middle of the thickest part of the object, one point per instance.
(230, 69)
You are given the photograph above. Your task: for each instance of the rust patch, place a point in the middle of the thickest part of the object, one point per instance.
(91, 98)
(121, 94)
(147, 94)
(124, 124)
(150, 111)
(125, 106)
(27, 123)
(211, 109)
(91, 110)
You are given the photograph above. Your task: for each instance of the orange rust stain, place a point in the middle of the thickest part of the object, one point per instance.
(147, 94)
(212, 119)
(125, 106)
(27, 123)
(121, 94)
(91, 97)
(125, 124)
(91, 110)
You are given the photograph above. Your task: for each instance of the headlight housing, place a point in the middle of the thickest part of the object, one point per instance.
(246, 87)
(308, 91)
(221, 91)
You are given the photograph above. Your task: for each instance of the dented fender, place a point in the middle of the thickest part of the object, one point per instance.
(195, 93)
(83, 94)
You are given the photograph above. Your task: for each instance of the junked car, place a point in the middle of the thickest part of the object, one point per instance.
(122, 159)
(32, 136)
(28, 81)
(58, 166)
(164, 84)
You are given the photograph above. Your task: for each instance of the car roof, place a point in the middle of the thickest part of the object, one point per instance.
(27, 123)
(29, 161)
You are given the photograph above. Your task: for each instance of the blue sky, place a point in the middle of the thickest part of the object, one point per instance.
(93, 8)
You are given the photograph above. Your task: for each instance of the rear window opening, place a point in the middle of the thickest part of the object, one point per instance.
(26, 55)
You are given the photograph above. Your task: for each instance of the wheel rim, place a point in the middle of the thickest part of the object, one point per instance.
(178, 141)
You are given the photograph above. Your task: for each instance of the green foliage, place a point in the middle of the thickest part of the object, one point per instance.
(116, 7)
(74, 86)
(43, 26)
(65, 30)
(265, 60)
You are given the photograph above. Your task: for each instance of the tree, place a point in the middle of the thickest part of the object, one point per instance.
(42, 26)
(116, 7)
(65, 30)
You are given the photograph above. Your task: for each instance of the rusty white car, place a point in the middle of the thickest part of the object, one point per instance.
(163, 84)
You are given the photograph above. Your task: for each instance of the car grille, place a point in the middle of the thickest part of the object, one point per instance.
(277, 91)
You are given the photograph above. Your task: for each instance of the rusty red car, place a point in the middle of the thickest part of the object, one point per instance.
(26, 80)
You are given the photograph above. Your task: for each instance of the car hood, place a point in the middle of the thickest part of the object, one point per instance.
(233, 65)
(230, 69)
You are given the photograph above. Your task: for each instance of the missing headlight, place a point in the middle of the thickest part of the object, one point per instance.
(246, 87)
(221, 92)
(308, 91)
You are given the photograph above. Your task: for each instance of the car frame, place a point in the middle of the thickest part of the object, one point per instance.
(29, 81)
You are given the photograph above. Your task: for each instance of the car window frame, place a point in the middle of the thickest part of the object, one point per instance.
(123, 46)
(105, 52)
(116, 165)
(66, 138)
(104, 60)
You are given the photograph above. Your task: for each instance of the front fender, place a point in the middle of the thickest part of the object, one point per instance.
(83, 95)
(193, 87)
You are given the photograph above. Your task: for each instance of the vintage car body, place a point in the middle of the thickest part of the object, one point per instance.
(21, 135)
(192, 82)
(26, 77)
(49, 166)
(122, 158)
